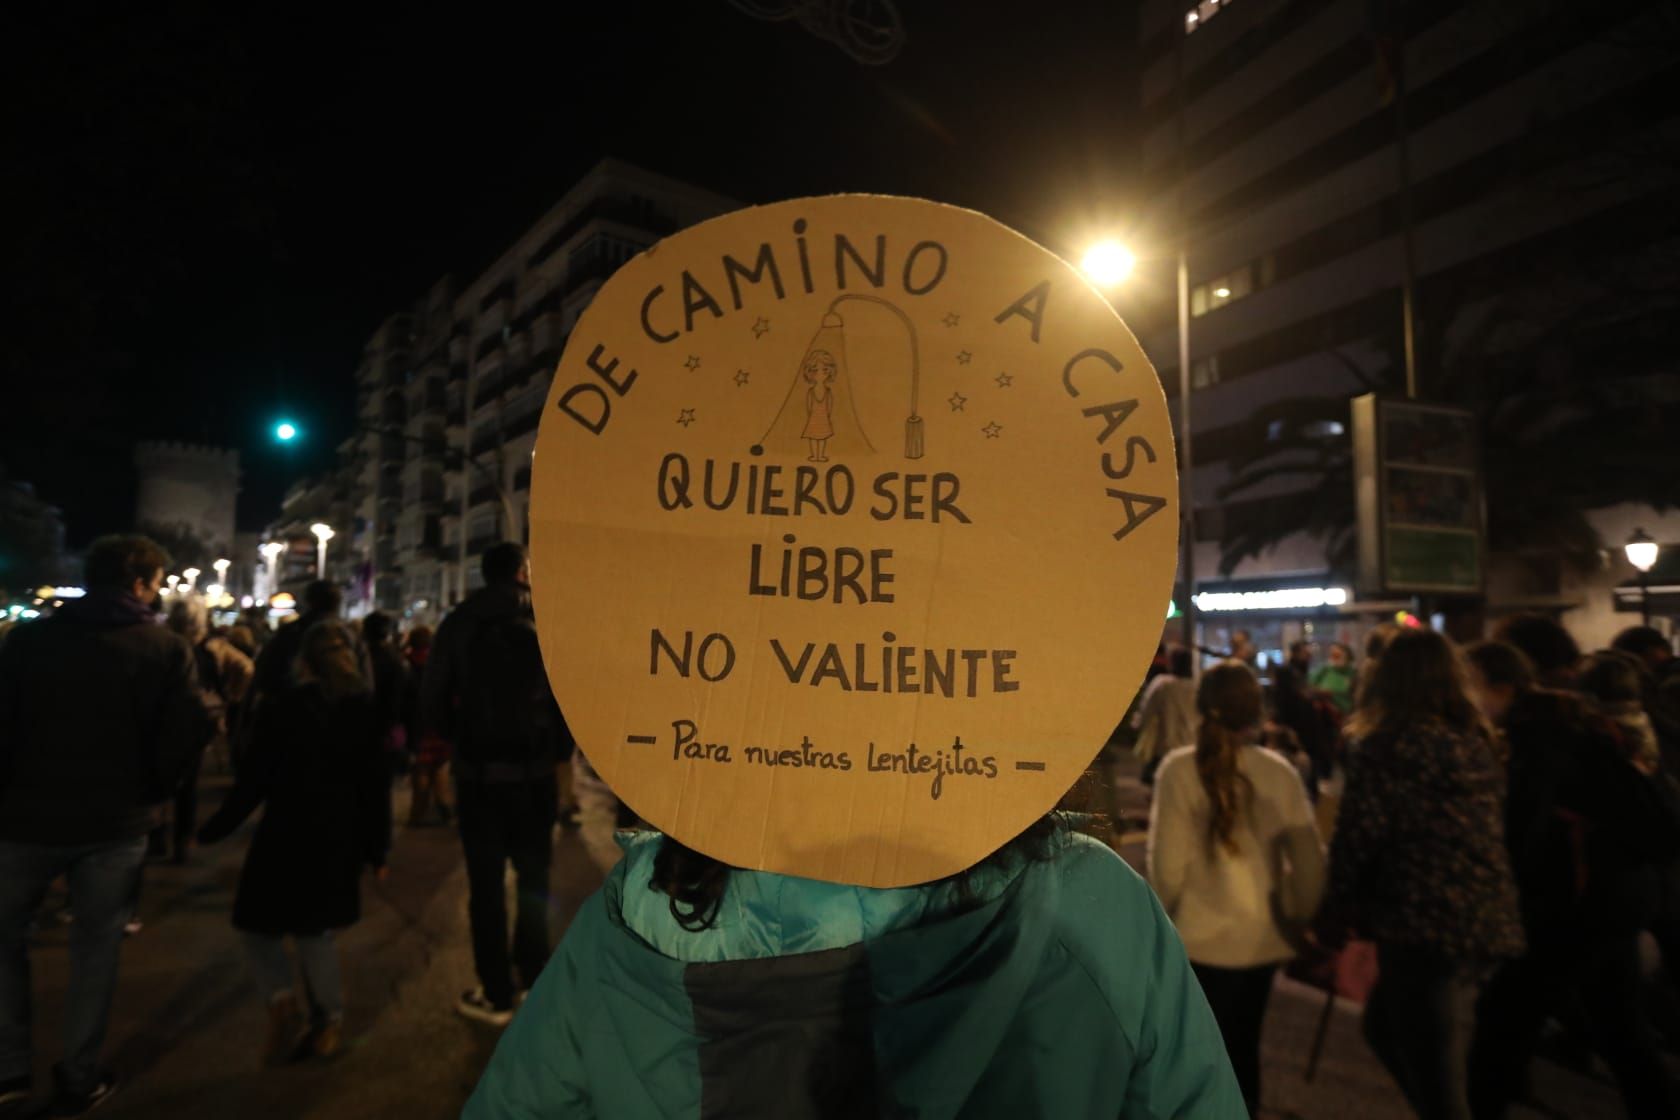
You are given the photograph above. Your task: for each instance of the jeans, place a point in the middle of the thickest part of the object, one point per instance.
(1419, 1021)
(502, 823)
(1238, 997)
(317, 959)
(102, 880)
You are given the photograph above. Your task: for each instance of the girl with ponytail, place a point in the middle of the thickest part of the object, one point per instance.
(1233, 849)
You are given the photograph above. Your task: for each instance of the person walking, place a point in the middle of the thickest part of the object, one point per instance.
(317, 767)
(1299, 707)
(100, 716)
(429, 750)
(389, 680)
(487, 693)
(1335, 678)
(1588, 835)
(224, 676)
(1418, 864)
(1234, 854)
(1168, 715)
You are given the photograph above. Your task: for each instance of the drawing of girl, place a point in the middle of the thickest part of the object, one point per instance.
(819, 371)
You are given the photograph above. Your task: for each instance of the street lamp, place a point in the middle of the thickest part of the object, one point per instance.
(222, 565)
(1642, 554)
(286, 431)
(270, 552)
(191, 576)
(323, 533)
(1107, 263)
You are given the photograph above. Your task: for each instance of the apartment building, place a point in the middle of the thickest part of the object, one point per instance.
(1529, 187)
(450, 391)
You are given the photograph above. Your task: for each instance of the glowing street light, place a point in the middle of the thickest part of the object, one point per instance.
(191, 576)
(222, 565)
(323, 533)
(270, 552)
(1642, 554)
(286, 431)
(1107, 263)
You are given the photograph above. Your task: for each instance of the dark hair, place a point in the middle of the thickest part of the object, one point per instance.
(501, 562)
(1230, 702)
(322, 596)
(419, 638)
(1421, 678)
(1181, 662)
(1543, 640)
(1614, 677)
(115, 562)
(327, 656)
(1640, 641)
(377, 627)
(695, 883)
(1501, 663)
(1297, 647)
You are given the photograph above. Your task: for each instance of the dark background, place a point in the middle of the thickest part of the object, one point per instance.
(211, 209)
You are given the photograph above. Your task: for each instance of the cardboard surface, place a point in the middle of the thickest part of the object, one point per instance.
(854, 522)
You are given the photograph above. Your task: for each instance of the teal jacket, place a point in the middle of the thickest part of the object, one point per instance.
(1056, 989)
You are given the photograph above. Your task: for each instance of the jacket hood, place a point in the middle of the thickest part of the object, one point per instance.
(109, 608)
(939, 981)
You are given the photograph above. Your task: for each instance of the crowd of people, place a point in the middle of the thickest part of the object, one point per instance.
(1508, 827)
(108, 708)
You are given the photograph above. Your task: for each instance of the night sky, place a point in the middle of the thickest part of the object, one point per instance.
(211, 210)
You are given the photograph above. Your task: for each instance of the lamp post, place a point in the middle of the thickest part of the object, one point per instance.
(1642, 554)
(191, 576)
(323, 533)
(222, 565)
(270, 551)
(1108, 263)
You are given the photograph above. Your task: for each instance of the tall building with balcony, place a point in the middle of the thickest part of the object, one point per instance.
(1536, 178)
(450, 391)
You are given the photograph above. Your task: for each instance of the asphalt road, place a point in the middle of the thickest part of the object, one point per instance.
(187, 1029)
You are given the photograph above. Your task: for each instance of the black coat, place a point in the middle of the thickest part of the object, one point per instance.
(317, 766)
(100, 715)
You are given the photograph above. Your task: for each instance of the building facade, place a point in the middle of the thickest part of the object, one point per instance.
(1291, 146)
(450, 392)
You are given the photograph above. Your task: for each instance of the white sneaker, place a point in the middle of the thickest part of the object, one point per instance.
(474, 1005)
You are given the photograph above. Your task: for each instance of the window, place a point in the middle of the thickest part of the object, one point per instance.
(1204, 372)
(1198, 300)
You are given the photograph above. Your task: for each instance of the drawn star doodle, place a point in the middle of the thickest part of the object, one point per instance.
(957, 400)
(686, 417)
(760, 327)
(741, 378)
(1004, 380)
(992, 429)
(692, 364)
(964, 357)
(951, 319)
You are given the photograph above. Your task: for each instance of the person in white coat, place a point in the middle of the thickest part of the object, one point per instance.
(1236, 859)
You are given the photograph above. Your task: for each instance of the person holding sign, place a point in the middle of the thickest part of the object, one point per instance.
(848, 696)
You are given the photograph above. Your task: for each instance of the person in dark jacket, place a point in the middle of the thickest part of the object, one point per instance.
(1418, 864)
(486, 692)
(317, 765)
(100, 716)
(1304, 710)
(390, 675)
(1660, 685)
(1588, 835)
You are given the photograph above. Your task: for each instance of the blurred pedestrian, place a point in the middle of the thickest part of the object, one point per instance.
(1168, 717)
(1418, 864)
(1234, 854)
(1660, 685)
(1589, 836)
(321, 602)
(486, 691)
(428, 781)
(224, 676)
(100, 716)
(317, 767)
(1550, 648)
(1305, 711)
(1335, 678)
(1375, 642)
(239, 636)
(390, 677)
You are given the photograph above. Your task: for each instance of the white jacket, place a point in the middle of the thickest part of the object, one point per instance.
(1223, 902)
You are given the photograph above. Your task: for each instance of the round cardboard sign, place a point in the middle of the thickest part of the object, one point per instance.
(853, 526)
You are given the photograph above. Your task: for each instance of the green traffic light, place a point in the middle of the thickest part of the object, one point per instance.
(285, 431)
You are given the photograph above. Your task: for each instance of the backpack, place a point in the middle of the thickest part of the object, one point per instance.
(506, 711)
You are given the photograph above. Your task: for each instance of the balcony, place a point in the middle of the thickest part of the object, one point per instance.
(522, 424)
(479, 545)
(639, 215)
(482, 493)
